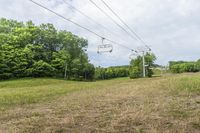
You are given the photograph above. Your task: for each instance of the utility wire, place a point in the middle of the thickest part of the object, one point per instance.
(90, 18)
(132, 31)
(59, 15)
(111, 19)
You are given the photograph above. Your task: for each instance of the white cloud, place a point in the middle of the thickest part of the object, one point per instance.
(171, 27)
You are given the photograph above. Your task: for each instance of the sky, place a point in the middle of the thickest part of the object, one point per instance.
(170, 27)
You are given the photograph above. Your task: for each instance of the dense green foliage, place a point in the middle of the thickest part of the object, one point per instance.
(111, 72)
(136, 66)
(182, 66)
(27, 50)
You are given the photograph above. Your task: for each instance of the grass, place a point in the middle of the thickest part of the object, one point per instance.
(160, 104)
(27, 91)
(189, 84)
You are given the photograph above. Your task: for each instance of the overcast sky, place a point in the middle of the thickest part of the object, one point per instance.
(170, 27)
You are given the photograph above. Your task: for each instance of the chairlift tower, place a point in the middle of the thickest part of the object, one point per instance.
(143, 64)
(144, 50)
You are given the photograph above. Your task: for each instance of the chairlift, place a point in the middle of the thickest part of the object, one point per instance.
(103, 48)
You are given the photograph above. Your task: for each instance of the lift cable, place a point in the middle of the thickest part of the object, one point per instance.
(132, 31)
(90, 18)
(112, 19)
(59, 15)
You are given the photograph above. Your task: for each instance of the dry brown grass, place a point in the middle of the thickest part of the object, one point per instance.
(143, 105)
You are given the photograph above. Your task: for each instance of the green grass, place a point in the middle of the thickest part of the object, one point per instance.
(27, 91)
(169, 103)
(186, 83)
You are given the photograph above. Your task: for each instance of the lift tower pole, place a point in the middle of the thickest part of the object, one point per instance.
(143, 64)
(143, 51)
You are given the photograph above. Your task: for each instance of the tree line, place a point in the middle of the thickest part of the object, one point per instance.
(28, 50)
(184, 66)
(111, 72)
(134, 70)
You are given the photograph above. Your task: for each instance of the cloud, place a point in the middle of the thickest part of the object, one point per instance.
(170, 27)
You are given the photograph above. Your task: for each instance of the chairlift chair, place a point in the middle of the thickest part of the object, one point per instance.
(103, 48)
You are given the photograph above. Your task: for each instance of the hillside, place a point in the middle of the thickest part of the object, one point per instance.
(170, 104)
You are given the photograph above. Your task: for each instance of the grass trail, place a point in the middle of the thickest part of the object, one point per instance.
(162, 104)
(27, 91)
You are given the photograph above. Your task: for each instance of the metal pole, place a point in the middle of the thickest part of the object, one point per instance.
(143, 63)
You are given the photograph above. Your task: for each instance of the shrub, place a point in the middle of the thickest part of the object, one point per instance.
(42, 69)
(135, 73)
(181, 67)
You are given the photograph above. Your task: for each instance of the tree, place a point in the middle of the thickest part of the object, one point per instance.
(111, 72)
(135, 72)
(27, 50)
(181, 66)
(136, 66)
(149, 60)
(89, 71)
(42, 69)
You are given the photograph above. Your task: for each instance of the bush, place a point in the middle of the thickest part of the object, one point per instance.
(111, 72)
(136, 69)
(42, 69)
(181, 67)
(135, 73)
(89, 71)
(5, 76)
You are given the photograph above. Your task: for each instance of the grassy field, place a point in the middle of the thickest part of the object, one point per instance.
(162, 104)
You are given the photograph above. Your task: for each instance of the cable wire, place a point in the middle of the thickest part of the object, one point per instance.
(132, 31)
(79, 25)
(111, 19)
(90, 18)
